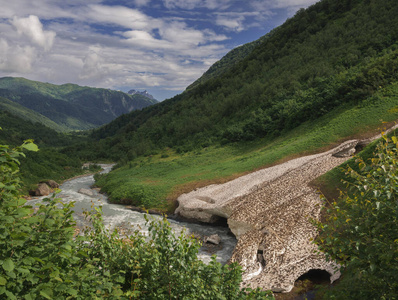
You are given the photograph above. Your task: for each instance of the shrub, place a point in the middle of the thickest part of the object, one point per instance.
(361, 228)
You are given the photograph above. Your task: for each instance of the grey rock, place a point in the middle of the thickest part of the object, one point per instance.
(86, 192)
(213, 239)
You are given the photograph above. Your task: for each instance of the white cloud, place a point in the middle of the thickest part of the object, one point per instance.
(16, 59)
(144, 40)
(179, 33)
(234, 23)
(122, 16)
(93, 65)
(32, 28)
(20, 52)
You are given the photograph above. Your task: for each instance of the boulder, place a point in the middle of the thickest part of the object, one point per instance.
(86, 192)
(42, 190)
(51, 183)
(213, 239)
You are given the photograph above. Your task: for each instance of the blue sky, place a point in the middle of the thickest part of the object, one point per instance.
(160, 46)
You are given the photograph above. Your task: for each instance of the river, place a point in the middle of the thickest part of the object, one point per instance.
(115, 215)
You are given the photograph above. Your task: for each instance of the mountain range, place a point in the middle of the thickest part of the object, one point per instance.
(69, 106)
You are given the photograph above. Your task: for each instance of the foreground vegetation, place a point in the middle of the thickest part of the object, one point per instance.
(360, 230)
(42, 258)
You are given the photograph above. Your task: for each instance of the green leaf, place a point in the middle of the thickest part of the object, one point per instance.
(46, 293)
(8, 265)
(3, 281)
(72, 292)
(10, 295)
(31, 147)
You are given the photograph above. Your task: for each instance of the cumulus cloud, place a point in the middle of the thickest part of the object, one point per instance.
(16, 59)
(32, 28)
(93, 65)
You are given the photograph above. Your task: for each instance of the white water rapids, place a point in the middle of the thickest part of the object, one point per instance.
(115, 215)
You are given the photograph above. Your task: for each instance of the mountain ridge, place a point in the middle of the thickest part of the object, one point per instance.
(144, 93)
(71, 106)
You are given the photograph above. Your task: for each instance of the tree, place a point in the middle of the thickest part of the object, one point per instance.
(361, 230)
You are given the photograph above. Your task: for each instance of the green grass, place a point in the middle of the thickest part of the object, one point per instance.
(334, 181)
(155, 181)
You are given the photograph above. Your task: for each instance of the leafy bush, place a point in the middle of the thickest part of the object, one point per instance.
(42, 257)
(361, 228)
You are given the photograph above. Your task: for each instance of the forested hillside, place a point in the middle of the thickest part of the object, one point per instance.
(228, 61)
(70, 106)
(333, 54)
(47, 163)
(27, 114)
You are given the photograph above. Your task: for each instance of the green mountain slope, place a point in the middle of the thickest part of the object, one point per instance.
(71, 106)
(28, 114)
(332, 65)
(228, 61)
